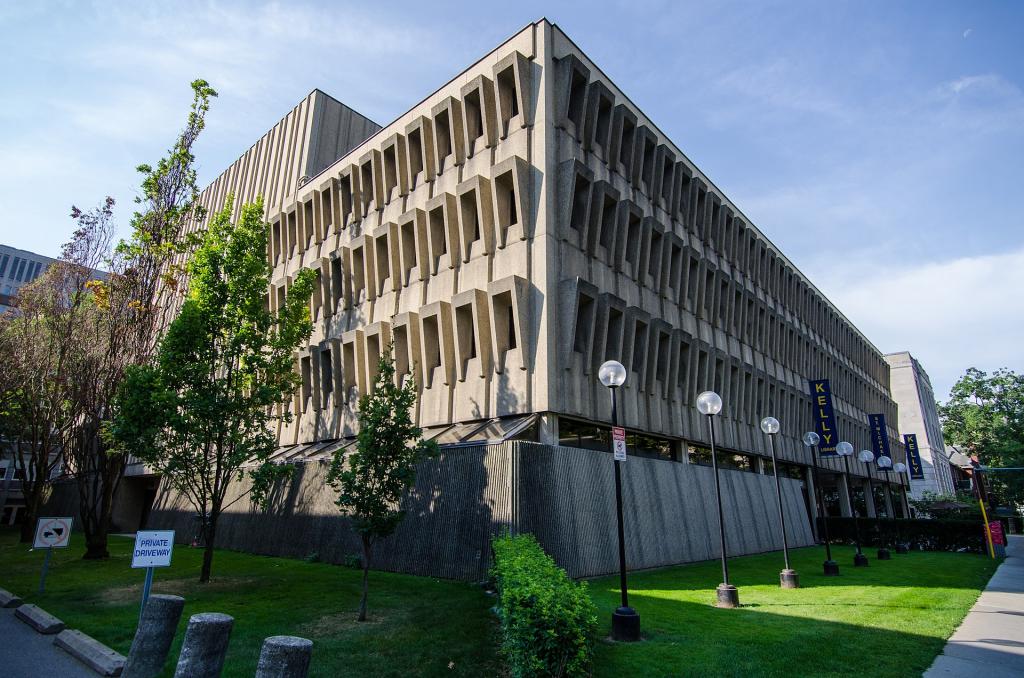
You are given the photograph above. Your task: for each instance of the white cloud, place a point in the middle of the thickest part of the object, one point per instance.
(951, 315)
(968, 32)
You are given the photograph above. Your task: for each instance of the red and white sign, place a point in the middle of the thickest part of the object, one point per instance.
(996, 528)
(52, 533)
(619, 443)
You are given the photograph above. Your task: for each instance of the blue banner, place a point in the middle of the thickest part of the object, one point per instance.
(913, 456)
(879, 436)
(824, 417)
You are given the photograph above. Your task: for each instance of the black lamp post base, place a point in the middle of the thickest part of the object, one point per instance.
(789, 579)
(860, 560)
(831, 568)
(728, 596)
(883, 554)
(902, 548)
(625, 625)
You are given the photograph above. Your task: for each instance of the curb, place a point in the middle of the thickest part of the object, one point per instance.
(8, 599)
(90, 652)
(39, 619)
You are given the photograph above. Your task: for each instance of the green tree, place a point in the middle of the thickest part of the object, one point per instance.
(203, 413)
(372, 480)
(985, 417)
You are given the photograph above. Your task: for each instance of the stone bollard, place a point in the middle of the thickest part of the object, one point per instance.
(154, 636)
(205, 645)
(284, 657)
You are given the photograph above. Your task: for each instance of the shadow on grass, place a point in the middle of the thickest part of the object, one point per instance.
(890, 619)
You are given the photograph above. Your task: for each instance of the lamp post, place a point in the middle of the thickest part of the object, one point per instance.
(709, 404)
(625, 620)
(867, 456)
(845, 450)
(788, 578)
(885, 463)
(830, 567)
(900, 468)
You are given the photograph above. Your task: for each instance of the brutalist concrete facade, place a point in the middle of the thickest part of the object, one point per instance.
(912, 390)
(516, 228)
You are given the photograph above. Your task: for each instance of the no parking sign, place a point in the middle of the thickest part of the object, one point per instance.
(52, 533)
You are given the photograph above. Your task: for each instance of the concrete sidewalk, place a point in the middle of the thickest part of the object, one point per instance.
(990, 642)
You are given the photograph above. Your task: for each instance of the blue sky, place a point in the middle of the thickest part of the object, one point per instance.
(878, 144)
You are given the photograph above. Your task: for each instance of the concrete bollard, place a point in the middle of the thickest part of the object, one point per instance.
(154, 636)
(284, 657)
(205, 645)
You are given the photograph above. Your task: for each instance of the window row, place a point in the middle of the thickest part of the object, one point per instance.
(455, 130)
(479, 333)
(609, 131)
(668, 362)
(484, 214)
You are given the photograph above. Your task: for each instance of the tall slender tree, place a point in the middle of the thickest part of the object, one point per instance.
(372, 480)
(202, 413)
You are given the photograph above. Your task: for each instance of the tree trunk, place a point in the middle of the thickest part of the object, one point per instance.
(96, 546)
(30, 514)
(211, 531)
(367, 549)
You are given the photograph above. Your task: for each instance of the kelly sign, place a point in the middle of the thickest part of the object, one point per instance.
(913, 456)
(153, 548)
(879, 436)
(824, 417)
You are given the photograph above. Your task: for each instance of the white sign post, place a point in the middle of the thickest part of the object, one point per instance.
(51, 533)
(619, 443)
(153, 548)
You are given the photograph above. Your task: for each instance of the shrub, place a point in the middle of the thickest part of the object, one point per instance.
(548, 621)
(930, 535)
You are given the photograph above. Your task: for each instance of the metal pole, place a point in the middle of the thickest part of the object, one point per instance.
(778, 493)
(821, 503)
(853, 509)
(46, 568)
(618, 512)
(718, 497)
(146, 588)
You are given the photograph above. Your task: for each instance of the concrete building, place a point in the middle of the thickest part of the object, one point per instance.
(912, 391)
(18, 267)
(507, 234)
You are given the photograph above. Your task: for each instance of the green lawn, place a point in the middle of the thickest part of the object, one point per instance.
(417, 626)
(890, 619)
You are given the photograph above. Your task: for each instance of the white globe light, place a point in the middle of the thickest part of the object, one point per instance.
(709, 403)
(899, 467)
(866, 456)
(844, 449)
(770, 425)
(884, 462)
(612, 374)
(811, 439)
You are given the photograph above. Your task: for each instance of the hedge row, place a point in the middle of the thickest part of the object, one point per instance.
(548, 621)
(930, 535)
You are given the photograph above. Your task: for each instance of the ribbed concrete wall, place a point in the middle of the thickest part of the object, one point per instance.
(565, 496)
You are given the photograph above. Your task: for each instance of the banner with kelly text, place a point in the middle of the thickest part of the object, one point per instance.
(913, 456)
(824, 417)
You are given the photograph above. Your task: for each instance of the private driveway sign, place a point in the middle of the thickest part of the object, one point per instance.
(153, 548)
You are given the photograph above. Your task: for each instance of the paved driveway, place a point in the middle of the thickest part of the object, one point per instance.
(27, 654)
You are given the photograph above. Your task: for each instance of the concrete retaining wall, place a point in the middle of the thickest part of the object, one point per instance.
(565, 496)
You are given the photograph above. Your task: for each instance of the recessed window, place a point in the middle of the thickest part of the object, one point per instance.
(507, 203)
(443, 127)
(326, 375)
(383, 257)
(402, 364)
(580, 198)
(415, 153)
(431, 347)
(408, 235)
(626, 144)
(307, 378)
(613, 338)
(438, 234)
(584, 323)
(577, 99)
(390, 170)
(508, 98)
(474, 115)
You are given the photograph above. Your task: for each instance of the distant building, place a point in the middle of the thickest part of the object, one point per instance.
(912, 390)
(18, 267)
